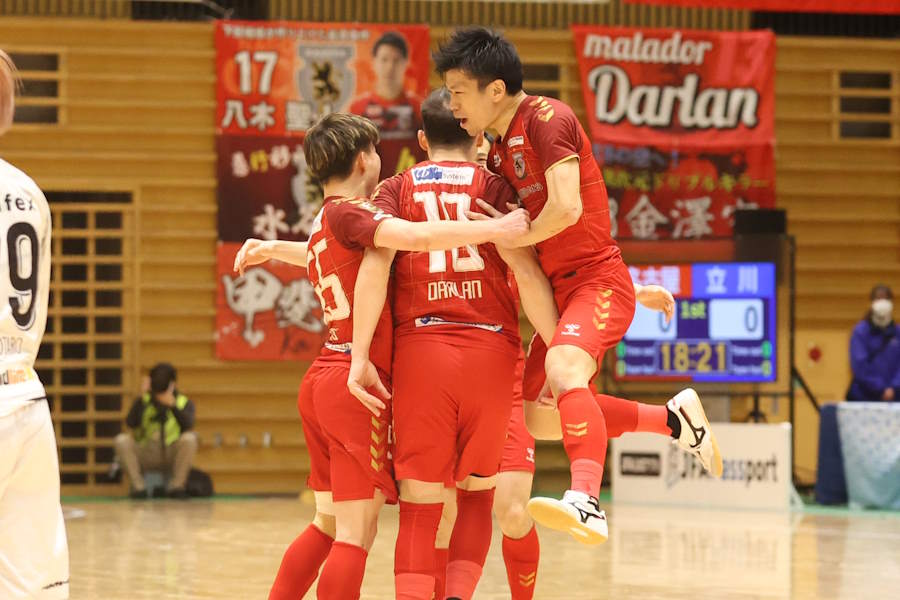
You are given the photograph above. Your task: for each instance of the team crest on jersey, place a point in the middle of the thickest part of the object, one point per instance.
(496, 161)
(519, 164)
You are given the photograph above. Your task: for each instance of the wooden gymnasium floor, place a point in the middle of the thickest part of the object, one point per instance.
(231, 549)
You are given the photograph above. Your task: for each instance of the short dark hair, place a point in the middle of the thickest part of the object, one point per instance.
(393, 39)
(333, 143)
(484, 54)
(161, 376)
(441, 127)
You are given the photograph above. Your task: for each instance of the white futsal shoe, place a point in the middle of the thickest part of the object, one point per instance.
(696, 435)
(577, 513)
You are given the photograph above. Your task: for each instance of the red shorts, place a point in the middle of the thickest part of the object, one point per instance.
(452, 403)
(596, 309)
(518, 451)
(347, 444)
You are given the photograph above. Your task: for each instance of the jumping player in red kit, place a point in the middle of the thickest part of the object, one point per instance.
(455, 347)
(350, 470)
(541, 149)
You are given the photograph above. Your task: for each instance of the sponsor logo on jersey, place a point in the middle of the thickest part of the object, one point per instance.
(519, 164)
(447, 175)
(431, 321)
(530, 189)
(571, 329)
(517, 140)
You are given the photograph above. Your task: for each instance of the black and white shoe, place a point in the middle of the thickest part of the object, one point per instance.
(696, 435)
(577, 513)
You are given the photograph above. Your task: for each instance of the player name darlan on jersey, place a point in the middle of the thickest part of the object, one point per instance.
(442, 290)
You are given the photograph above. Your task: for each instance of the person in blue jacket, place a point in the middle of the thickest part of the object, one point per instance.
(875, 351)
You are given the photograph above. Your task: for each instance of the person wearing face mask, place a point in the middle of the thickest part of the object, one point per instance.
(875, 351)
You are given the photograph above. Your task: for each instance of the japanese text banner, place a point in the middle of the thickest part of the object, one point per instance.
(269, 313)
(658, 194)
(667, 87)
(265, 190)
(820, 6)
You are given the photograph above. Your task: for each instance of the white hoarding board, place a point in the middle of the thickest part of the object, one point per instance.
(757, 469)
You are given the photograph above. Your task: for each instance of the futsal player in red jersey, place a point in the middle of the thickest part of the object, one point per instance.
(541, 149)
(456, 339)
(350, 469)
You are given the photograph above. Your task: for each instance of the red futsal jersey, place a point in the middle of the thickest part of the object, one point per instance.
(542, 133)
(398, 121)
(341, 232)
(463, 290)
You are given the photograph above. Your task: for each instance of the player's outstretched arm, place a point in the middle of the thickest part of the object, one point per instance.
(534, 290)
(369, 296)
(656, 297)
(255, 252)
(446, 235)
(563, 207)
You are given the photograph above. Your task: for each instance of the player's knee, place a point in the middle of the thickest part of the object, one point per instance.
(513, 519)
(420, 492)
(325, 523)
(567, 368)
(478, 483)
(370, 534)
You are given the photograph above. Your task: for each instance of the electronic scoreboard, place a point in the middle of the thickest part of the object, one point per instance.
(723, 329)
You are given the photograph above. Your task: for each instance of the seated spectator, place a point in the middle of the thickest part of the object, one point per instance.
(161, 420)
(875, 351)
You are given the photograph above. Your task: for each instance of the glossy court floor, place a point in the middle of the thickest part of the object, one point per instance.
(232, 548)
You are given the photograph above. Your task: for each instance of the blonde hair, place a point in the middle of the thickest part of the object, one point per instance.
(9, 85)
(333, 143)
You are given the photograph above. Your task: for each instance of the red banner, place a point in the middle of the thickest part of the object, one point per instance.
(813, 6)
(264, 188)
(277, 78)
(668, 87)
(269, 313)
(683, 125)
(658, 194)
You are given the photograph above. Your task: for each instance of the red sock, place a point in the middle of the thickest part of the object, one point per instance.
(470, 542)
(587, 476)
(440, 572)
(300, 564)
(343, 572)
(414, 553)
(623, 416)
(521, 557)
(584, 436)
(462, 579)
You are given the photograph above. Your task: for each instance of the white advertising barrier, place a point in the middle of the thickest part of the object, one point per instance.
(648, 468)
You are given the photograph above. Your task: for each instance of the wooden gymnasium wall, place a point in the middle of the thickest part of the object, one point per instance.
(129, 169)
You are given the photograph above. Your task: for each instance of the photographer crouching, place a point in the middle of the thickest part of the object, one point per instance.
(160, 438)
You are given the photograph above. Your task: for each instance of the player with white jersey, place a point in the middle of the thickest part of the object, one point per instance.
(34, 557)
